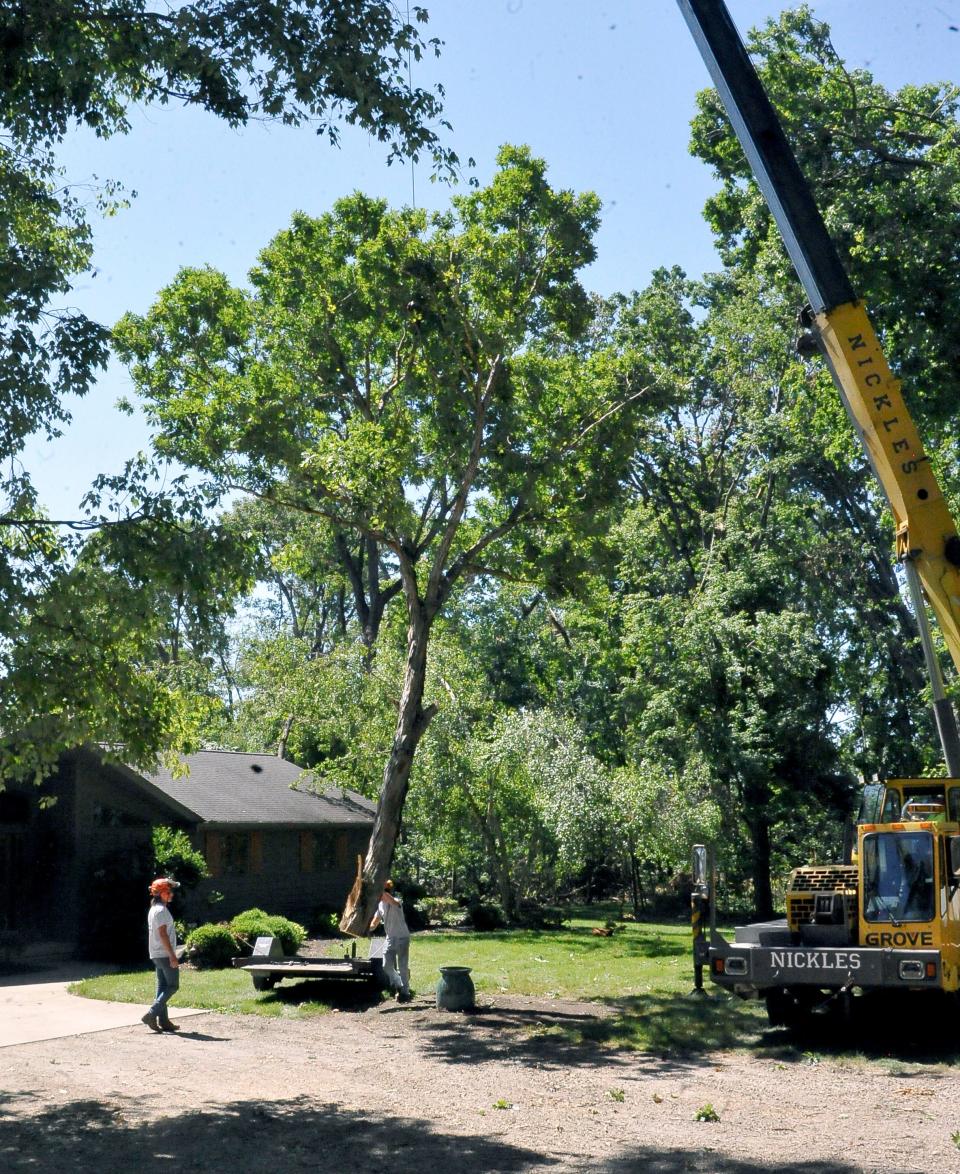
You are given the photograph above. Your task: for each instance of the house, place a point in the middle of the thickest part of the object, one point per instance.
(74, 853)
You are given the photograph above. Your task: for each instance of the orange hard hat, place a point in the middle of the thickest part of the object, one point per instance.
(163, 883)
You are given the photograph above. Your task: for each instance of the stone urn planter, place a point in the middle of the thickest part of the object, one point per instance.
(455, 991)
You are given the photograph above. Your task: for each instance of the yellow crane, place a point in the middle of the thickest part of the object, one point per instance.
(890, 919)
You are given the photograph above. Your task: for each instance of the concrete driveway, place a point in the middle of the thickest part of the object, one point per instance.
(37, 1007)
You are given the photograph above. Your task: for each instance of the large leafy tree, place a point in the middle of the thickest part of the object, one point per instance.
(884, 168)
(410, 379)
(64, 64)
(762, 616)
(723, 668)
(294, 657)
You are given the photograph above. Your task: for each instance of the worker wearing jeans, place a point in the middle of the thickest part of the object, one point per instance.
(162, 938)
(396, 952)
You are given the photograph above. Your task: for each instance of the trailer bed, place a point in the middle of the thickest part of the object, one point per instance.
(267, 971)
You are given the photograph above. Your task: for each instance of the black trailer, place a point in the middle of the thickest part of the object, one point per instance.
(268, 965)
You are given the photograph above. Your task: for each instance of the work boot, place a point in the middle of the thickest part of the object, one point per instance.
(151, 1021)
(166, 1025)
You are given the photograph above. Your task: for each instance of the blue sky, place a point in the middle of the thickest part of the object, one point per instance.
(602, 89)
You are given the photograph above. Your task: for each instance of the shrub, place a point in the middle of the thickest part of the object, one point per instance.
(212, 946)
(254, 923)
(486, 916)
(542, 916)
(174, 855)
(325, 923)
(414, 916)
(441, 910)
(411, 891)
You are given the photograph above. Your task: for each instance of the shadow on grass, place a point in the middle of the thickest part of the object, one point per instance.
(682, 1028)
(668, 1029)
(906, 1029)
(669, 1024)
(95, 1135)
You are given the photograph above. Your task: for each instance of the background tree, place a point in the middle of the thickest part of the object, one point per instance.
(111, 633)
(409, 379)
(62, 65)
(884, 169)
(714, 654)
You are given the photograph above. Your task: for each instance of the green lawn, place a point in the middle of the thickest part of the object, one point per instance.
(643, 973)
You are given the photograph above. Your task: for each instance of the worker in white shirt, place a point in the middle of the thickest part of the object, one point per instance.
(396, 952)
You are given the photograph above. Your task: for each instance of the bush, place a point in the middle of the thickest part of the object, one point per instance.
(441, 910)
(325, 923)
(542, 916)
(414, 916)
(254, 923)
(211, 946)
(411, 891)
(175, 856)
(486, 916)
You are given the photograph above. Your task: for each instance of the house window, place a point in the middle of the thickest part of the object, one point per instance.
(325, 851)
(233, 853)
(105, 816)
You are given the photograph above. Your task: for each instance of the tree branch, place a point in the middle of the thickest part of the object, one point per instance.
(467, 479)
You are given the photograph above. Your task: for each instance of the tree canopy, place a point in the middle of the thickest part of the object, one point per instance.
(612, 572)
(63, 65)
(413, 381)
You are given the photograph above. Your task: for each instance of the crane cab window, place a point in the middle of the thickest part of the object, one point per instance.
(923, 803)
(891, 807)
(898, 876)
(953, 804)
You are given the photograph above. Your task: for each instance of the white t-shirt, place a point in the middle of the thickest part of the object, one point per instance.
(160, 915)
(393, 921)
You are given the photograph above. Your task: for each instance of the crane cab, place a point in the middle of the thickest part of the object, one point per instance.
(908, 860)
(909, 800)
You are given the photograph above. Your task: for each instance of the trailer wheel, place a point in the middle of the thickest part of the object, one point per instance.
(261, 982)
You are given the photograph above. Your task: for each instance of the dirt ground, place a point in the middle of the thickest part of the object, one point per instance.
(410, 1088)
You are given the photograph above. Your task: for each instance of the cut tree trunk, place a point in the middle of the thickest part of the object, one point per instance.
(412, 721)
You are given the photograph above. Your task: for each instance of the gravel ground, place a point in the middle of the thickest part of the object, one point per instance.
(410, 1088)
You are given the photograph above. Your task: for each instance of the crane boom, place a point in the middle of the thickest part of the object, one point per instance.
(927, 543)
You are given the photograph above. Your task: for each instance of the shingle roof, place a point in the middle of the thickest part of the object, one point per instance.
(224, 787)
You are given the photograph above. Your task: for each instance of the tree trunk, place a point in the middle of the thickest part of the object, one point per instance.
(636, 887)
(284, 736)
(412, 720)
(499, 861)
(760, 863)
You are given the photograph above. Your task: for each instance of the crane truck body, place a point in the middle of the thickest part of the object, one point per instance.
(890, 918)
